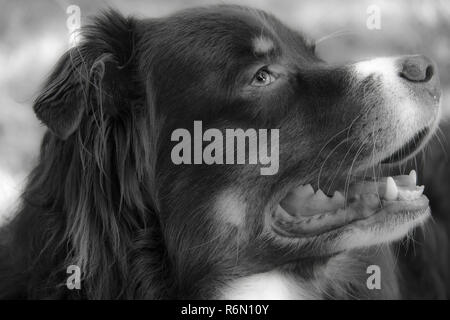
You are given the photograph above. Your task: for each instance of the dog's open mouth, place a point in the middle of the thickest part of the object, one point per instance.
(305, 212)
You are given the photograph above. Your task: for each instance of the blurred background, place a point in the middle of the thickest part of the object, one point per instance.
(33, 34)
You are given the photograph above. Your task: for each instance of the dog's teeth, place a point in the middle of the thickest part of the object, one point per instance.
(412, 178)
(410, 194)
(320, 196)
(406, 195)
(391, 190)
(338, 198)
(320, 202)
(304, 191)
(420, 189)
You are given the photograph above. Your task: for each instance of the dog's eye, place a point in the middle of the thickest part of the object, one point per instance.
(263, 78)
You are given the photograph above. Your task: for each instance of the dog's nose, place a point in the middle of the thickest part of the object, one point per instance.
(417, 68)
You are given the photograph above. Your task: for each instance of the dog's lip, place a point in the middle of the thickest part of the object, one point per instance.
(394, 210)
(286, 225)
(416, 143)
(410, 148)
(305, 213)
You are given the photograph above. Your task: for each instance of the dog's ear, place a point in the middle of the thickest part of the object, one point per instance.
(95, 76)
(59, 106)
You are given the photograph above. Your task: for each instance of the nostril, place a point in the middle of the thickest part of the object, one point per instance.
(417, 69)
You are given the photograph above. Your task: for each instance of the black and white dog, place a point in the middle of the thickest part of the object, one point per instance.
(107, 196)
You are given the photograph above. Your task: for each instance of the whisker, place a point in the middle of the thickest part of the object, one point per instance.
(324, 162)
(441, 144)
(342, 161)
(347, 182)
(335, 34)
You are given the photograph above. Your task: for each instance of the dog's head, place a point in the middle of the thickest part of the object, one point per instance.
(232, 67)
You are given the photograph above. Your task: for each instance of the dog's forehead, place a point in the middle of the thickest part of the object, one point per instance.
(225, 38)
(263, 45)
(248, 30)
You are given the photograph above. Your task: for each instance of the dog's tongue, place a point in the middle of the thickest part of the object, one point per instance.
(304, 202)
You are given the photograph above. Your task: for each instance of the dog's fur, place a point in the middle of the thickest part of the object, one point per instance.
(105, 195)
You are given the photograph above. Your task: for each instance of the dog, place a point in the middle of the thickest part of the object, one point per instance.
(107, 197)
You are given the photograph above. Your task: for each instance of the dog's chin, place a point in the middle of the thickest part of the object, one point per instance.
(387, 225)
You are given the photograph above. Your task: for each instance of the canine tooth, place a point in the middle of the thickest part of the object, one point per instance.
(412, 178)
(304, 191)
(391, 189)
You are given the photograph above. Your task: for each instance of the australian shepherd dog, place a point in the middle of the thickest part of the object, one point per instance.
(108, 197)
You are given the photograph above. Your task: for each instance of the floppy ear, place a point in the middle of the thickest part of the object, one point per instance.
(98, 73)
(59, 106)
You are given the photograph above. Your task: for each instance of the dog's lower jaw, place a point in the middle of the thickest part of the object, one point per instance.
(375, 212)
